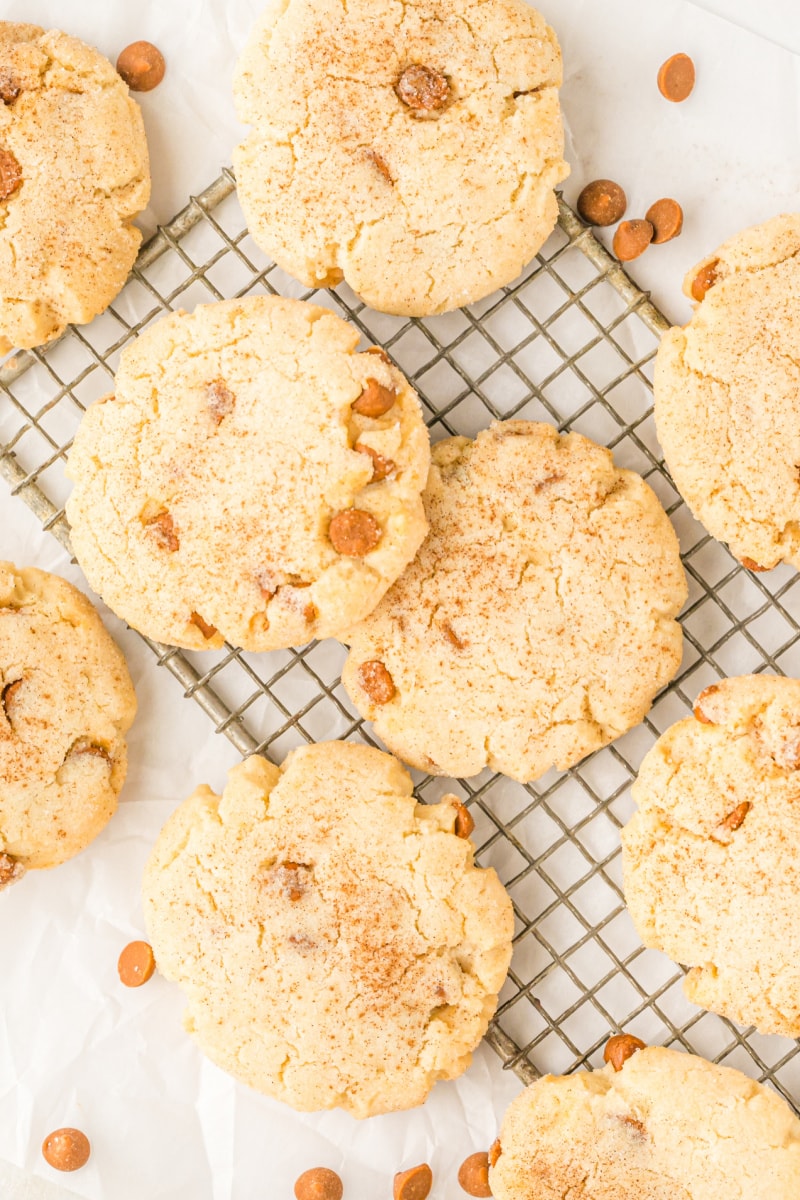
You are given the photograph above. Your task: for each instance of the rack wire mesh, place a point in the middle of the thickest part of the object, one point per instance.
(571, 342)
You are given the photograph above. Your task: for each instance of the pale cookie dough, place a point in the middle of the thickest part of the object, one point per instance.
(336, 944)
(727, 395)
(537, 622)
(409, 148)
(712, 875)
(74, 173)
(667, 1126)
(253, 478)
(66, 701)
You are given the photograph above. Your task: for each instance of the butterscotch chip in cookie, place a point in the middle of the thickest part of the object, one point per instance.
(620, 1048)
(491, 644)
(142, 66)
(727, 403)
(412, 151)
(676, 78)
(602, 202)
(230, 493)
(66, 702)
(326, 883)
(718, 816)
(319, 1183)
(74, 174)
(136, 964)
(670, 1126)
(66, 1149)
(632, 239)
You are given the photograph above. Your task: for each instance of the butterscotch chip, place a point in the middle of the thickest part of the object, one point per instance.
(10, 174)
(602, 202)
(666, 217)
(655, 1131)
(9, 86)
(423, 89)
(749, 565)
(414, 1184)
(375, 400)
(161, 529)
(473, 1175)
(382, 467)
(376, 681)
(620, 1048)
(372, 983)
(10, 870)
(676, 78)
(66, 1149)
(320, 1183)
(708, 874)
(354, 532)
(221, 400)
(495, 1150)
(66, 702)
(632, 239)
(136, 964)
(208, 631)
(464, 822)
(705, 278)
(142, 66)
(698, 710)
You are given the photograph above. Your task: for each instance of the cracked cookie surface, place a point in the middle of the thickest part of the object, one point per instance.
(253, 478)
(74, 173)
(336, 944)
(536, 623)
(727, 395)
(66, 701)
(668, 1126)
(411, 148)
(710, 859)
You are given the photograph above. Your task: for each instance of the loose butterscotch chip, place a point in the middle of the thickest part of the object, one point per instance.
(495, 1150)
(161, 529)
(375, 400)
(705, 279)
(10, 870)
(136, 964)
(319, 1183)
(602, 202)
(66, 1149)
(414, 1184)
(632, 239)
(208, 631)
(676, 78)
(381, 467)
(423, 89)
(142, 66)
(354, 532)
(221, 400)
(473, 1175)
(734, 819)
(10, 174)
(620, 1048)
(9, 87)
(464, 823)
(666, 217)
(376, 682)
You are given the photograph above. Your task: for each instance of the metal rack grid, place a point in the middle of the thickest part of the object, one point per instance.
(571, 342)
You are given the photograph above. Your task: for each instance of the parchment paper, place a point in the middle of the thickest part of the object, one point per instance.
(75, 1047)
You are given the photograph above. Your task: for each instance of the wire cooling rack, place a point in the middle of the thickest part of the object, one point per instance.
(571, 342)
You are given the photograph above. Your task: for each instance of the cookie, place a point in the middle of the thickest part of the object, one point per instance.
(711, 872)
(73, 174)
(252, 478)
(667, 1126)
(66, 701)
(336, 944)
(410, 149)
(727, 395)
(536, 623)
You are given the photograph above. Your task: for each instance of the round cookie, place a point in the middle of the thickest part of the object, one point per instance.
(537, 622)
(74, 173)
(410, 149)
(252, 479)
(667, 1126)
(727, 395)
(66, 701)
(710, 864)
(336, 944)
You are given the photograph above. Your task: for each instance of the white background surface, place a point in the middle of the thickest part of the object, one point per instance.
(75, 1047)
